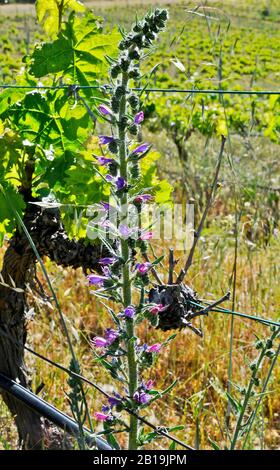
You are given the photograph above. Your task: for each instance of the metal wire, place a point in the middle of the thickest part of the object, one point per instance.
(144, 89)
(264, 321)
(49, 412)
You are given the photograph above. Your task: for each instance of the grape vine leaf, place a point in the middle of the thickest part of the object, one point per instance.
(78, 55)
(10, 200)
(49, 13)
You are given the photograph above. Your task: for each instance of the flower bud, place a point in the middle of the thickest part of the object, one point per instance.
(151, 36)
(115, 71)
(134, 54)
(124, 64)
(123, 123)
(163, 15)
(133, 101)
(138, 39)
(135, 171)
(270, 353)
(113, 168)
(115, 104)
(122, 45)
(133, 129)
(120, 91)
(113, 146)
(269, 343)
(259, 344)
(137, 28)
(134, 73)
(146, 28)
(253, 366)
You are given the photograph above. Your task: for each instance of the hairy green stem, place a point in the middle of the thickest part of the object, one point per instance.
(262, 394)
(126, 287)
(239, 424)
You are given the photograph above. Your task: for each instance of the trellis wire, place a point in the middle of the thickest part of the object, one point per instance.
(144, 89)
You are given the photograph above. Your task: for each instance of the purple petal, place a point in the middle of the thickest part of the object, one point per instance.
(100, 416)
(94, 279)
(109, 178)
(99, 342)
(107, 260)
(105, 204)
(154, 348)
(124, 230)
(111, 335)
(129, 311)
(120, 183)
(141, 148)
(104, 161)
(104, 110)
(143, 198)
(143, 268)
(139, 118)
(105, 139)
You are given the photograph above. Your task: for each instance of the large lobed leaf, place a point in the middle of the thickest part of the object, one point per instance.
(49, 13)
(78, 54)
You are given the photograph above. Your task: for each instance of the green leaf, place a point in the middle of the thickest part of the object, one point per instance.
(214, 444)
(78, 54)
(236, 405)
(9, 198)
(111, 439)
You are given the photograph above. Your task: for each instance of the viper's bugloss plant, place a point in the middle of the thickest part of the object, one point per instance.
(125, 274)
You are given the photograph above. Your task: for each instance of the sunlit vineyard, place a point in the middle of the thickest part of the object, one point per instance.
(228, 45)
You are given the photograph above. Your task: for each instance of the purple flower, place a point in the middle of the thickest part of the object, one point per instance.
(104, 160)
(100, 416)
(143, 198)
(115, 400)
(111, 335)
(104, 110)
(105, 139)
(120, 183)
(129, 311)
(124, 231)
(157, 308)
(95, 280)
(154, 348)
(141, 397)
(146, 236)
(106, 271)
(106, 205)
(139, 117)
(105, 409)
(143, 268)
(107, 260)
(141, 148)
(99, 342)
(149, 385)
(109, 178)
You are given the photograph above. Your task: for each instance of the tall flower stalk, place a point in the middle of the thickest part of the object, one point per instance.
(125, 275)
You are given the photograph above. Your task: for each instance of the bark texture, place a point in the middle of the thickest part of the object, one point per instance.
(50, 238)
